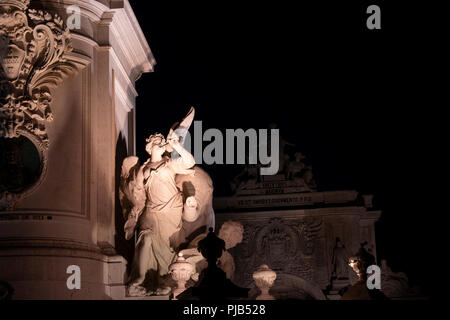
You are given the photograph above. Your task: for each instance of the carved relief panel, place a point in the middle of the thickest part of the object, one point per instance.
(288, 246)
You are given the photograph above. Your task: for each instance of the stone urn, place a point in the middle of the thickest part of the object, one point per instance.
(181, 272)
(264, 278)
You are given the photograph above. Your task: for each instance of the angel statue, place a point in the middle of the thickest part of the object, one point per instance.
(167, 203)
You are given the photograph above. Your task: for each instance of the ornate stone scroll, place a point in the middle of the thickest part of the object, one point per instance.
(33, 45)
(286, 246)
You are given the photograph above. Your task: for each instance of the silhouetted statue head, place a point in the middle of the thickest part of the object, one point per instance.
(211, 247)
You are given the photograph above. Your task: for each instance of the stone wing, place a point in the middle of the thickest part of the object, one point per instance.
(131, 193)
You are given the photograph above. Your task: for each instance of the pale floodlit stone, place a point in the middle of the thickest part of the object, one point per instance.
(76, 106)
(181, 272)
(264, 278)
(169, 199)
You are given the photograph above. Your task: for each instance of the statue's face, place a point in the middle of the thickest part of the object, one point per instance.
(156, 146)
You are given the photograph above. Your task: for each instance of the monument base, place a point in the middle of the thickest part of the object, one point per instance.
(43, 273)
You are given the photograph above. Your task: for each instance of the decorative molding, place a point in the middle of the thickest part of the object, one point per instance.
(32, 62)
(293, 214)
(292, 247)
(33, 48)
(135, 45)
(21, 4)
(8, 200)
(306, 238)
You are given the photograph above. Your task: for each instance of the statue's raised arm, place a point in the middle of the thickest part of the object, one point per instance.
(162, 207)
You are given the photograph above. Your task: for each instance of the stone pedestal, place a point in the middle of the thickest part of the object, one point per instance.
(336, 286)
(67, 216)
(264, 278)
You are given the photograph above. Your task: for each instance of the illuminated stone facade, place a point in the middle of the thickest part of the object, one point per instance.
(295, 234)
(67, 104)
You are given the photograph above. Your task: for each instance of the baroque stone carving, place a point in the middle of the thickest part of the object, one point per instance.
(295, 176)
(33, 44)
(289, 247)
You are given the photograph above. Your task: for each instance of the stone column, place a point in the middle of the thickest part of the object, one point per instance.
(62, 119)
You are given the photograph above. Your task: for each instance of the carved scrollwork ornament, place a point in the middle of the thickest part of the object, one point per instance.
(33, 45)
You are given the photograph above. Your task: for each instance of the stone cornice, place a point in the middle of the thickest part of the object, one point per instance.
(125, 37)
(372, 215)
(267, 201)
(295, 214)
(131, 44)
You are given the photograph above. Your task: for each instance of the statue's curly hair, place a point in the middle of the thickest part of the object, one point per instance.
(150, 140)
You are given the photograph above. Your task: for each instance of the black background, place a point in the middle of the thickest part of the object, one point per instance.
(358, 103)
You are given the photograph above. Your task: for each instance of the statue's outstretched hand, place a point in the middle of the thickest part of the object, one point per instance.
(190, 211)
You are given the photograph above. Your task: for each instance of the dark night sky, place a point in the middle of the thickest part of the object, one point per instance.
(352, 100)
